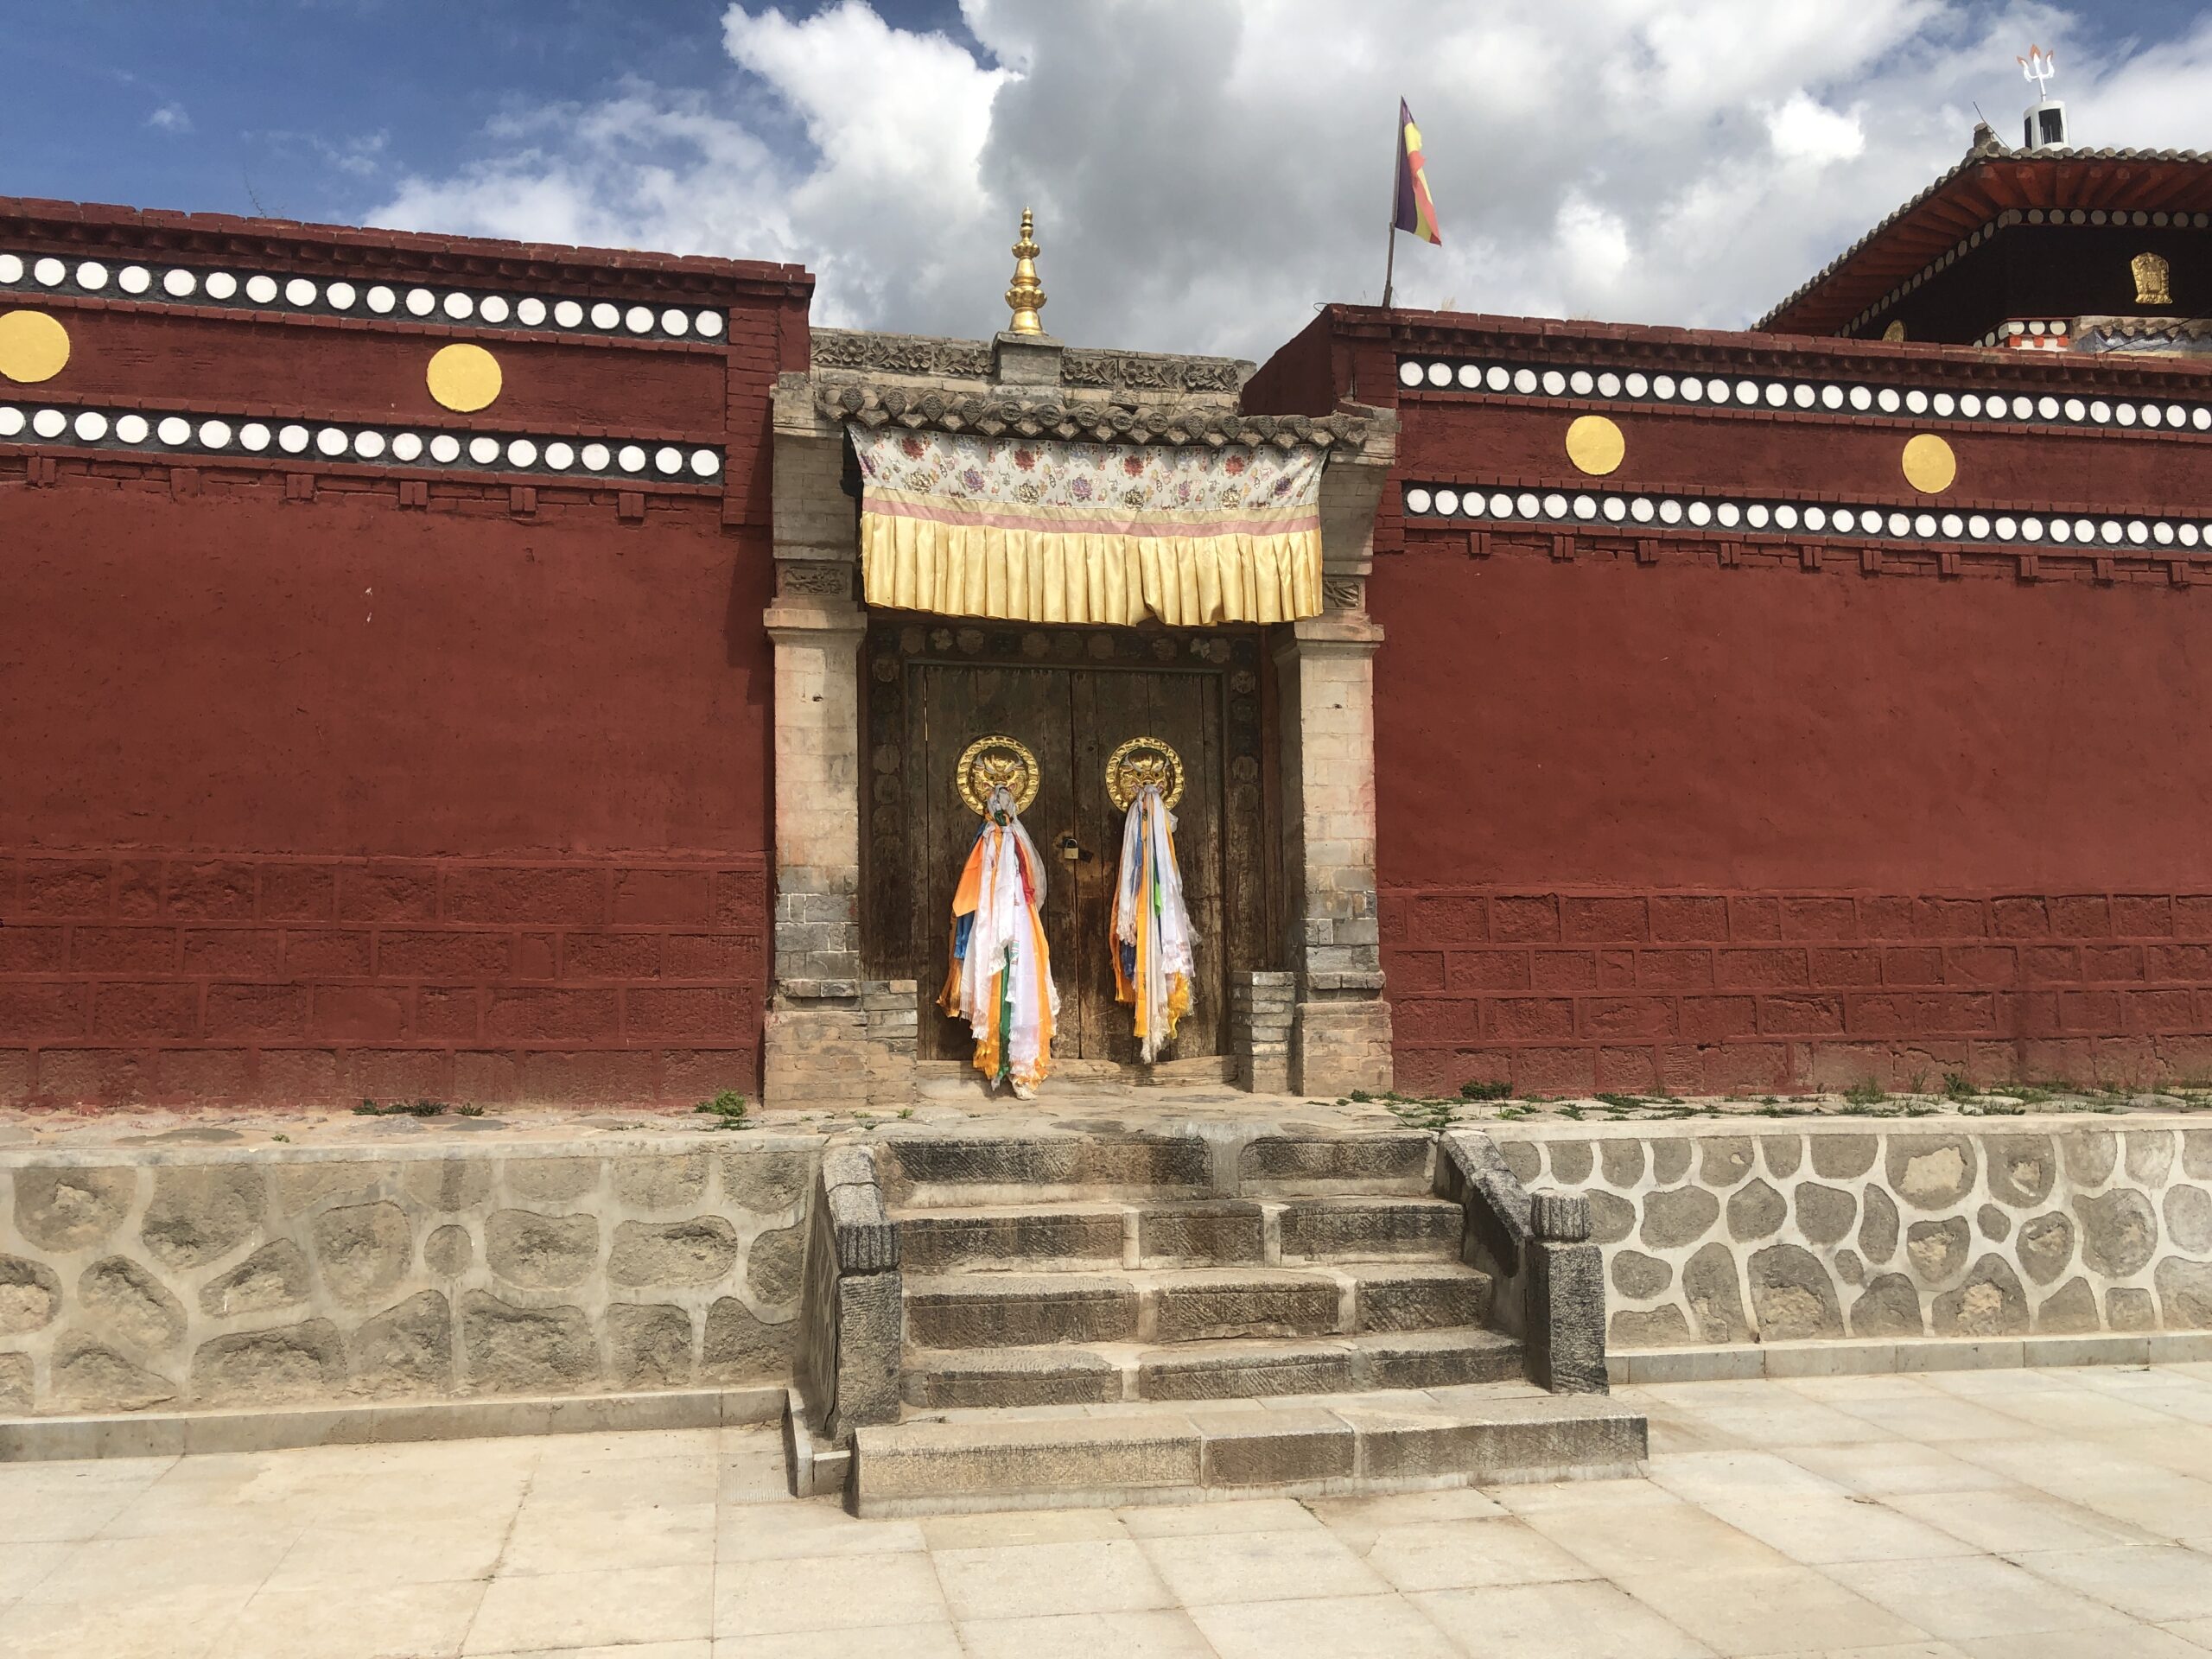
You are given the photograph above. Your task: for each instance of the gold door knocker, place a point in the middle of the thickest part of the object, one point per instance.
(1141, 763)
(996, 762)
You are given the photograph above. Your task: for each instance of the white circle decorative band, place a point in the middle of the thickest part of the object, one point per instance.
(30, 273)
(1630, 510)
(1844, 397)
(238, 436)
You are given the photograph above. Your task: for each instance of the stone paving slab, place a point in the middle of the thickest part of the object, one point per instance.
(1064, 1106)
(2019, 1514)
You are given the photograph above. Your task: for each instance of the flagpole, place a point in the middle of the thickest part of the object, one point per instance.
(1390, 261)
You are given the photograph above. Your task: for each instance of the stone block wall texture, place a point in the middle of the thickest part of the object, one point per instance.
(174, 1281)
(1941, 1228)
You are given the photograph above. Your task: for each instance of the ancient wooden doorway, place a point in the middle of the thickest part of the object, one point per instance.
(1072, 695)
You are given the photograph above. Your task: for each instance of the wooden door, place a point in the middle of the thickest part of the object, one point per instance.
(1111, 707)
(1072, 697)
(956, 703)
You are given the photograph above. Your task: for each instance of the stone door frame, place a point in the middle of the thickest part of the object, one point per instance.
(833, 1039)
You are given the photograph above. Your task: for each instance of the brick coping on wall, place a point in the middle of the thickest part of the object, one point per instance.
(603, 1144)
(555, 1135)
(85, 227)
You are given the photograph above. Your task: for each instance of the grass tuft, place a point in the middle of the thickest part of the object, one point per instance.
(727, 1108)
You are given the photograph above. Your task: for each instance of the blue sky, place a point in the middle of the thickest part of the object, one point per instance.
(1204, 170)
(313, 106)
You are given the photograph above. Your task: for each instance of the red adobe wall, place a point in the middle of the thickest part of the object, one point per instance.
(327, 781)
(1659, 812)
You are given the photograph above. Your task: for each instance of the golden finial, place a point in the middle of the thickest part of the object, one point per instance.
(1026, 297)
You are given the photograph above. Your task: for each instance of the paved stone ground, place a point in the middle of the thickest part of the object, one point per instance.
(962, 1102)
(2024, 1514)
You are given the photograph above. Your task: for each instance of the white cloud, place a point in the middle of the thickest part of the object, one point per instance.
(643, 169)
(362, 158)
(170, 118)
(1205, 171)
(1804, 131)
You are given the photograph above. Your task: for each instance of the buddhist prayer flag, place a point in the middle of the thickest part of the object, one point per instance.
(1416, 213)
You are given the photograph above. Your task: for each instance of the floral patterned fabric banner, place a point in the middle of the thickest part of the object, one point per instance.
(1044, 531)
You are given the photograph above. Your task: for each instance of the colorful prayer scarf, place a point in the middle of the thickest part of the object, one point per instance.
(1152, 930)
(1000, 976)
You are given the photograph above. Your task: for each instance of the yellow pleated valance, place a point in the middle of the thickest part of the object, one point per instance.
(1037, 531)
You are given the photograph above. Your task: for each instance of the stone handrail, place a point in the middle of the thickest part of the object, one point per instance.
(851, 1329)
(1550, 1278)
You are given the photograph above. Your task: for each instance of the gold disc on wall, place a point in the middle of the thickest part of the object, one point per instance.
(1929, 466)
(996, 762)
(33, 346)
(1140, 762)
(1595, 445)
(464, 377)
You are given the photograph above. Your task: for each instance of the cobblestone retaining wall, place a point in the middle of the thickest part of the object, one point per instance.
(2043, 1226)
(228, 1278)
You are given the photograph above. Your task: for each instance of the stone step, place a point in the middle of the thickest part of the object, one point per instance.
(1033, 1238)
(1403, 1441)
(1371, 1229)
(1166, 1233)
(1104, 1373)
(963, 1169)
(952, 1168)
(1293, 1165)
(1027, 1310)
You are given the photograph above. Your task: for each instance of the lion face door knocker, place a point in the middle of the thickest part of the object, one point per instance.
(1144, 763)
(994, 763)
(1152, 927)
(1000, 977)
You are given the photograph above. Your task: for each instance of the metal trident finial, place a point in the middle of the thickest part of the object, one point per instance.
(2039, 66)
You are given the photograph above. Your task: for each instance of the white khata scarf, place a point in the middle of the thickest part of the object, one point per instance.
(1152, 930)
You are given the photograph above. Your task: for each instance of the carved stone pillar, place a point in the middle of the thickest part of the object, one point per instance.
(1340, 1031)
(816, 1032)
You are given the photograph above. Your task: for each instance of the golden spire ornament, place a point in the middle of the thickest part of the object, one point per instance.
(1026, 297)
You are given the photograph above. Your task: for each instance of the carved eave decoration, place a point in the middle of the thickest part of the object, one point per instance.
(2144, 328)
(1087, 367)
(997, 412)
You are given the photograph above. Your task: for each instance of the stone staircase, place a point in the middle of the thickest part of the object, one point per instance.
(1162, 1317)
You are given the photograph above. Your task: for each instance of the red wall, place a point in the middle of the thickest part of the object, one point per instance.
(311, 795)
(1683, 828)
(1663, 813)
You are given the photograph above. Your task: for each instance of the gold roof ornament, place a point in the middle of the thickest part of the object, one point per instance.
(2152, 273)
(1026, 297)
